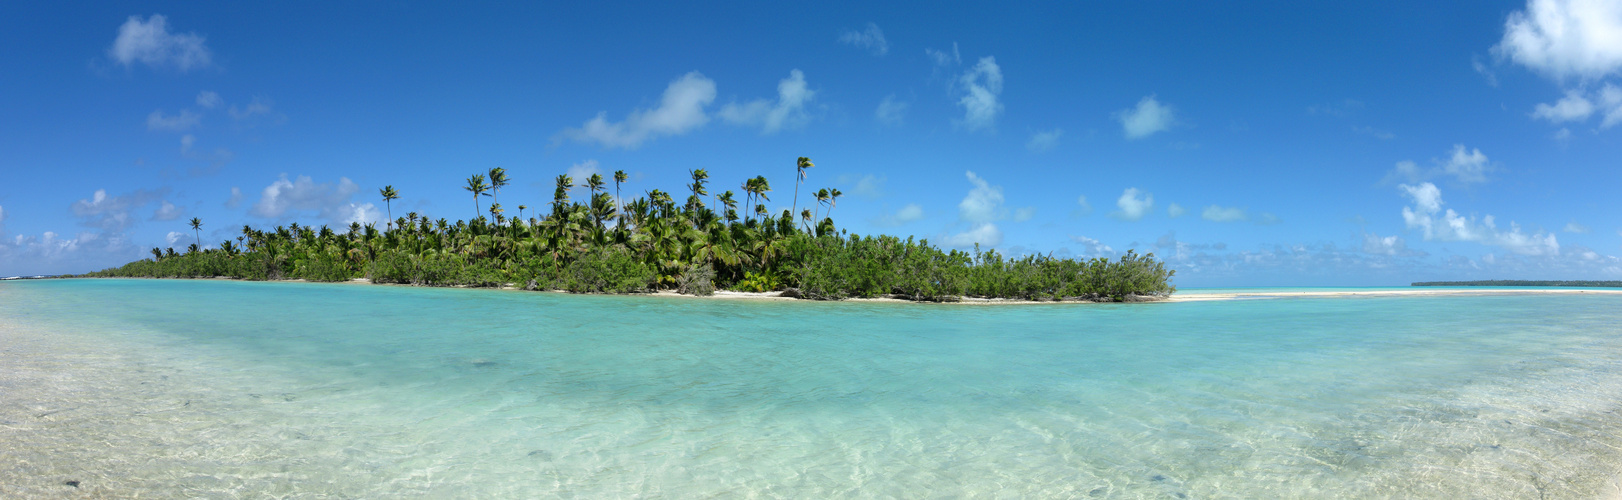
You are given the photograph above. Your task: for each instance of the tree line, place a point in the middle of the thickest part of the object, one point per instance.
(606, 244)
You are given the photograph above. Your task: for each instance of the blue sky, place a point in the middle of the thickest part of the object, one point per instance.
(1248, 145)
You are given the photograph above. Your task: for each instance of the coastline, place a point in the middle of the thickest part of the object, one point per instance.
(1173, 298)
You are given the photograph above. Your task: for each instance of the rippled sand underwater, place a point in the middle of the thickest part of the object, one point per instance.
(226, 389)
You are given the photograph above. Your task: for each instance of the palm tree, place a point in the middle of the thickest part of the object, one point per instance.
(822, 196)
(833, 199)
(476, 186)
(197, 230)
(495, 212)
(799, 168)
(389, 195)
(729, 204)
(498, 180)
(560, 197)
(619, 178)
(521, 208)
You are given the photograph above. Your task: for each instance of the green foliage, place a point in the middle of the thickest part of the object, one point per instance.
(613, 270)
(697, 279)
(762, 282)
(604, 244)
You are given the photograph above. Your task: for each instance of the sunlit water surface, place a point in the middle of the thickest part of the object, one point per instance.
(159, 388)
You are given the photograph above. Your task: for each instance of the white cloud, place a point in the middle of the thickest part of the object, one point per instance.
(186, 142)
(1024, 214)
(1427, 215)
(1388, 245)
(1216, 213)
(1132, 205)
(942, 58)
(1572, 107)
(167, 211)
(150, 42)
(209, 99)
(180, 122)
(1092, 247)
(1565, 39)
(1086, 208)
(787, 112)
(981, 85)
(303, 196)
(1174, 210)
(1573, 227)
(1148, 117)
(1044, 141)
(909, 213)
(680, 110)
(177, 238)
(871, 38)
(580, 171)
(1467, 166)
(259, 106)
(986, 235)
(112, 214)
(890, 111)
(236, 198)
(983, 203)
(2, 220)
(1610, 98)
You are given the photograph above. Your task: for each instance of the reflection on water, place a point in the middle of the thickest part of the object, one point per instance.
(180, 389)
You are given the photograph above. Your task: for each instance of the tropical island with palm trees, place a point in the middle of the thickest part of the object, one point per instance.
(605, 244)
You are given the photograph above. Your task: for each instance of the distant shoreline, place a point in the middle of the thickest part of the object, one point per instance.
(1576, 283)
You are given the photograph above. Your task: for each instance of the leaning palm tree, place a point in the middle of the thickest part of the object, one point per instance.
(799, 169)
(389, 195)
(822, 197)
(197, 230)
(498, 180)
(476, 186)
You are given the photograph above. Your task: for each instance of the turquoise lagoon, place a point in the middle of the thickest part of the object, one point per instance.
(161, 388)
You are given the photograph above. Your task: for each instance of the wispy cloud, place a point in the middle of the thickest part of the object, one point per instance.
(149, 41)
(680, 110)
(1215, 213)
(788, 111)
(1044, 141)
(181, 122)
(891, 111)
(981, 86)
(870, 38)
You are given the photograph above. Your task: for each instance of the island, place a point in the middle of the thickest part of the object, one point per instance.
(608, 244)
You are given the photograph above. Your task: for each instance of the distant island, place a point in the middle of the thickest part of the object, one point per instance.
(606, 244)
(1581, 283)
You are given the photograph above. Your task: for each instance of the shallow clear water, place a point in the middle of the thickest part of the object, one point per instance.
(218, 388)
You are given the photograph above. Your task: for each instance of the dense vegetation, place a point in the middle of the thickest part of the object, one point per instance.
(1581, 283)
(601, 245)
